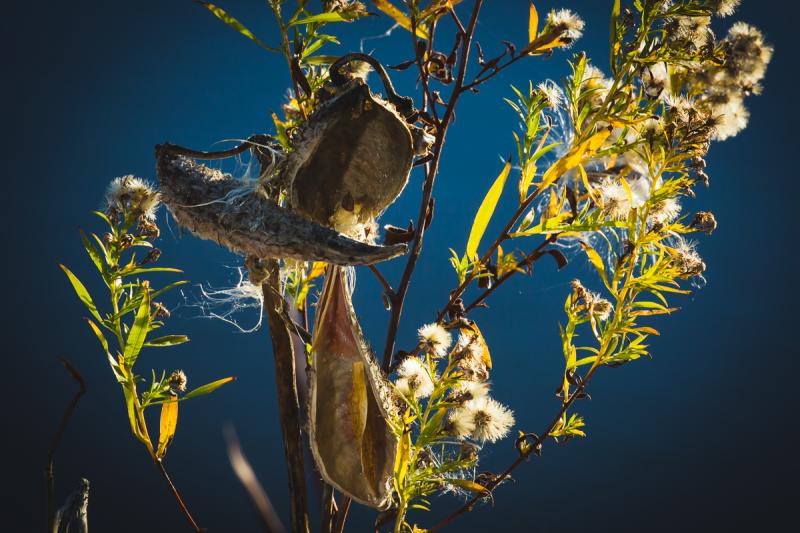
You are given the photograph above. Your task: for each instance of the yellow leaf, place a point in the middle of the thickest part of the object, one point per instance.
(485, 212)
(596, 261)
(400, 17)
(168, 425)
(468, 485)
(525, 180)
(574, 157)
(317, 269)
(533, 24)
(402, 458)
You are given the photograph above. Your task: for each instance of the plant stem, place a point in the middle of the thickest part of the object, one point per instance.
(288, 404)
(427, 192)
(177, 495)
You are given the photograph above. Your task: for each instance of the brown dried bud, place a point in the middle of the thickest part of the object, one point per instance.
(704, 221)
(151, 257)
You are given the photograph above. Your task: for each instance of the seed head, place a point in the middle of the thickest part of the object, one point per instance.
(565, 23)
(704, 221)
(414, 380)
(435, 339)
(132, 195)
(177, 381)
(492, 419)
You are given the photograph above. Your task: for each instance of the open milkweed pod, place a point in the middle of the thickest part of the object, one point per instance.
(214, 206)
(353, 156)
(351, 439)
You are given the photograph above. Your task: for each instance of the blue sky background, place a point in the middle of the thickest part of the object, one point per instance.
(700, 437)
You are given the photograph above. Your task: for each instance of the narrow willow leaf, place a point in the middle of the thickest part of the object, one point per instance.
(138, 333)
(533, 24)
(467, 484)
(596, 261)
(99, 334)
(400, 17)
(525, 180)
(167, 426)
(615, 43)
(574, 157)
(138, 270)
(485, 212)
(168, 340)
(94, 254)
(322, 17)
(317, 269)
(207, 388)
(222, 15)
(402, 459)
(82, 293)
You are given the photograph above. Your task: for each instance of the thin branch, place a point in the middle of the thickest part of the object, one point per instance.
(51, 452)
(427, 191)
(342, 514)
(288, 404)
(386, 286)
(185, 510)
(534, 448)
(241, 467)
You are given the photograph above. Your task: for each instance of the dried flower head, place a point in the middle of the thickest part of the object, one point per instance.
(460, 423)
(414, 379)
(129, 194)
(177, 381)
(565, 23)
(665, 211)
(469, 355)
(731, 117)
(435, 339)
(616, 200)
(704, 221)
(686, 258)
(552, 93)
(746, 54)
(492, 419)
(723, 8)
(469, 390)
(600, 308)
(692, 32)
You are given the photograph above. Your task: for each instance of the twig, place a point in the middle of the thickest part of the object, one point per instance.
(241, 467)
(386, 287)
(427, 191)
(51, 452)
(534, 448)
(532, 257)
(329, 510)
(342, 514)
(288, 404)
(176, 494)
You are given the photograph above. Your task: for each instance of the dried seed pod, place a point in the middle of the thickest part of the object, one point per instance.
(351, 440)
(352, 158)
(213, 205)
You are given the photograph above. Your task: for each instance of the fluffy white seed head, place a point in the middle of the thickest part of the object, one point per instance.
(414, 380)
(665, 211)
(435, 339)
(492, 419)
(566, 23)
(134, 195)
(724, 8)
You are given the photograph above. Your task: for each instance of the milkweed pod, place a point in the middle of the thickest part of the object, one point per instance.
(351, 438)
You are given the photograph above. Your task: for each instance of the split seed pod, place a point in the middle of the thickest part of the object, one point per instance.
(205, 201)
(352, 442)
(353, 156)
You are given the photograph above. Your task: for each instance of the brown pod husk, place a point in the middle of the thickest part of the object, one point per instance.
(351, 439)
(352, 159)
(212, 205)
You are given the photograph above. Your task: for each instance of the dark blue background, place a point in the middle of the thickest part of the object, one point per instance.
(700, 437)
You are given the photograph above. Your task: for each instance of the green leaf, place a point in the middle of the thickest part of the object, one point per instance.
(207, 388)
(167, 340)
(400, 18)
(222, 15)
(140, 270)
(82, 293)
(485, 212)
(94, 254)
(322, 17)
(99, 334)
(138, 334)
